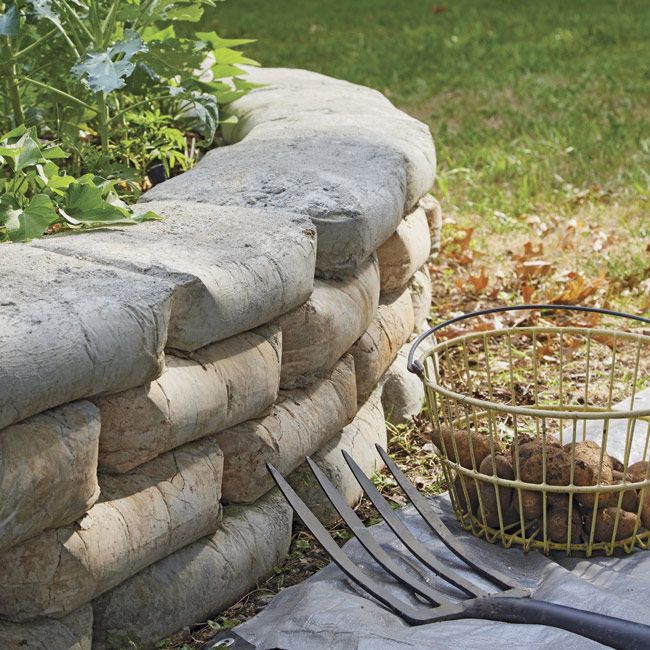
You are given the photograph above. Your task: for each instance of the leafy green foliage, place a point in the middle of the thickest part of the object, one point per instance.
(120, 84)
(36, 195)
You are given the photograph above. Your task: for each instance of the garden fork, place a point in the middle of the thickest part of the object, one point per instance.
(508, 602)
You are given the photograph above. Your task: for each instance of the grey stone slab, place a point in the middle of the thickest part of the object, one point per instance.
(198, 581)
(352, 188)
(71, 329)
(48, 471)
(72, 632)
(305, 103)
(232, 268)
(402, 391)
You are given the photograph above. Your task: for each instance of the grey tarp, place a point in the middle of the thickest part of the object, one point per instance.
(327, 612)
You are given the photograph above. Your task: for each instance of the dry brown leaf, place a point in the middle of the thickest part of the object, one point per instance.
(576, 289)
(526, 292)
(530, 252)
(533, 269)
(479, 282)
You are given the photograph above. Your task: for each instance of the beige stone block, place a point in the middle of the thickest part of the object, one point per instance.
(201, 579)
(420, 287)
(358, 439)
(404, 252)
(200, 393)
(48, 471)
(144, 516)
(379, 345)
(302, 422)
(317, 334)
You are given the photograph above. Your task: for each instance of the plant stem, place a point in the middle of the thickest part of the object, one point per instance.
(104, 122)
(13, 89)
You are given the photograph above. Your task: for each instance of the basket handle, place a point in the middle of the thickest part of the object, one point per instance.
(417, 368)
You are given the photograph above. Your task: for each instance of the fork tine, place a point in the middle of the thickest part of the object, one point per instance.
(406, 537)
(436, 524)
(370, 544)
(349, 568)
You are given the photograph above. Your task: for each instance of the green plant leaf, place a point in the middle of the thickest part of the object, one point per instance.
(200, 111)
(102, 73)
(216, 42)
(10, 21)
(23, 224)
(84, 202)
(43, 9)
(172, 56)
(24, 152)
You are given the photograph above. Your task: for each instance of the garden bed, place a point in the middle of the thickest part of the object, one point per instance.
(264, 318)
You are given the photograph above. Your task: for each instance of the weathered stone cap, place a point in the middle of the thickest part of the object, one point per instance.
(337, 152)
(232, 269)
(71, 329)
(353, 188)
(298, 102)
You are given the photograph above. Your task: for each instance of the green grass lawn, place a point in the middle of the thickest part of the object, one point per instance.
(529, 103)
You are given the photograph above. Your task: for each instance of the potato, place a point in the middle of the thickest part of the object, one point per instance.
(479, 443)
(645, 509)
(637, 471)
(509, 516)
(617, 465)
(472, 494)
(557, 467)
(488, 491)
(527, 446)
(531, 504)
(557, 522)
(605, 520)
(630, 501)
(585, 472)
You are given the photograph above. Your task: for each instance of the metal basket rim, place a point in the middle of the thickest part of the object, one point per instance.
(415, 366)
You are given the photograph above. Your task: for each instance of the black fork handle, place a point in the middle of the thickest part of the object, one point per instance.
(610, 631)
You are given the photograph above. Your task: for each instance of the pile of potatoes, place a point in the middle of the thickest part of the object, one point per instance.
(491, 457)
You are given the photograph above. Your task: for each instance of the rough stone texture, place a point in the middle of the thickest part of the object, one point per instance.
(379, 345)
(317, 334)
(352, 188)
(48, 471)
(358, 438)
(404, 252)
(213, 388)
(72, 632)
(433, 211)
(71, 329)
(144, 516)
(194, 583)
(301, 102)
(232, 268)
(298, 426)
(402, 392)
(420, 287)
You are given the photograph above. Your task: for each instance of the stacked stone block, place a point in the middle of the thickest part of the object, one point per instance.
(148, 374)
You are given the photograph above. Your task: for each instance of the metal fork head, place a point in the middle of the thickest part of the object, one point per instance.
(441, 605)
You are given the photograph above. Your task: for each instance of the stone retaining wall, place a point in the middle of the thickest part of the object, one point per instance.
(148, 373)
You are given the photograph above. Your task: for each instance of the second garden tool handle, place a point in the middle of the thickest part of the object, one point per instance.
(608, 630)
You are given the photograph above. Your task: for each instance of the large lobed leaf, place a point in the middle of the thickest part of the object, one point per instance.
(107, 71)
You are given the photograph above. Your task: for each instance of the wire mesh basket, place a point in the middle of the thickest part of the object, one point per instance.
(536, 428)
